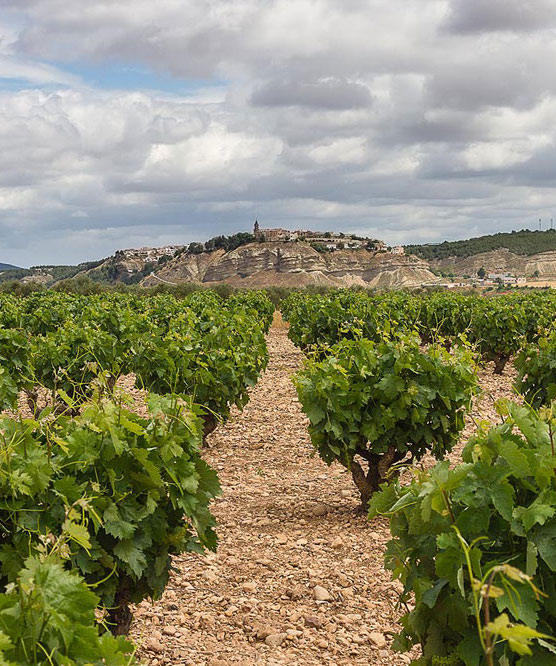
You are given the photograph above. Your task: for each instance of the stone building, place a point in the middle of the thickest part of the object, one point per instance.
(269, 235)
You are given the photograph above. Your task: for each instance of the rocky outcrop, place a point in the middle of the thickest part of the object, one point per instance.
(500, 261)
(125, 264)
(294, 265)
(188, 267)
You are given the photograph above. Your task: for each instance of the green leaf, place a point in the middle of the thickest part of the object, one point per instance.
(128, 552)
(532, 559)
(132, 426)
(114, 525)
(544, 539)
(518, 636)
(430, 597)
(515, 458)
(314, 413)
(77, 533)
(503, 498)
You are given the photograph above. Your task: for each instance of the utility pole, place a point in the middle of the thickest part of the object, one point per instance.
(540, 224)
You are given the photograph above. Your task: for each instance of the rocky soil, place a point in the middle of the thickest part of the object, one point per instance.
(298, 577)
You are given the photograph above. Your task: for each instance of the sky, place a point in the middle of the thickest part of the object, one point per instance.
(126, 123)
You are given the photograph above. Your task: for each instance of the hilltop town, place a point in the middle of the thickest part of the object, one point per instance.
(327, 239)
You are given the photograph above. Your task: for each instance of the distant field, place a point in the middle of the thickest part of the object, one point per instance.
(550, 282)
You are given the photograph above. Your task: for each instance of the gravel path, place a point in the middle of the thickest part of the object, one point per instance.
(298, 577)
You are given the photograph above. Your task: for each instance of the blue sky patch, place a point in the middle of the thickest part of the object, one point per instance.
(127, 76)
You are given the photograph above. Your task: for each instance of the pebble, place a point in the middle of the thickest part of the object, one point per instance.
(321, 594)
(378, 639)
(275, 640)
(262, 632)
(210, 576)
(320, 510)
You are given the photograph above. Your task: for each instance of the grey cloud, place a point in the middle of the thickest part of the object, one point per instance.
(488, 81)
(539, 170)
(448, 127)
(478, 16)
(329, 94)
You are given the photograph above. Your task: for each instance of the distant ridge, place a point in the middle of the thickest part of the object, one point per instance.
(525, 243)
(8, 267)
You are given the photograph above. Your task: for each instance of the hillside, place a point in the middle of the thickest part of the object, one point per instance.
(48, 274)
(499, 261)
(524, 243)
(242, 263)
(293, 264)
(8, 267)
(126, 266)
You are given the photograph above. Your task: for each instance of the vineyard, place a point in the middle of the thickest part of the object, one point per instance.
(146, 455)
(95, 498)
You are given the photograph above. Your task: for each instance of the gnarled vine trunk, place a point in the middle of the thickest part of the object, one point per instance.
(209, 425)
(32, 400)
(378, 472)
(120, 617)
(500, 361)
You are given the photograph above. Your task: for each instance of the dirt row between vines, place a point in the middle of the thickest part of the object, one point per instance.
(298, 577)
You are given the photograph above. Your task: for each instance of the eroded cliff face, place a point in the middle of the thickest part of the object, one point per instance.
(500, 261)
(295, 265)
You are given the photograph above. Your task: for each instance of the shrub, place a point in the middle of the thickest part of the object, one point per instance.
(15, 366)
(70, 358)
(256, 303)
(126, 482)
(502, 501)
(215, 360)
(536, 368)
(498, 328)
(380, 402)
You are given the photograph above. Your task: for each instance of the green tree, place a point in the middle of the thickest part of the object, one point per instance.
(195, 248)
